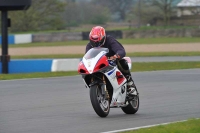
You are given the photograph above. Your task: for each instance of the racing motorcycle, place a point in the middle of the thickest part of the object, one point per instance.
(107, 85)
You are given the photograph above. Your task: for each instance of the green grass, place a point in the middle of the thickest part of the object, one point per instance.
(147, 28)
(47, 56)
(137, 67)
(154, 54)
(136, 54)
(39, 44)
(36, 75)
(87, 28)
(190, 126)
(155, 66)
(131, 41)
(160, 40)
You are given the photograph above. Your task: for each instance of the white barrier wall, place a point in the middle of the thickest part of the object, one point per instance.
(23, 38)
(65, 65)
(42, 65)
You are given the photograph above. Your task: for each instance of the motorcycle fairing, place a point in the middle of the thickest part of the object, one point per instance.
(82, 69)
(119, 90)
(95, 62)
(128, 59)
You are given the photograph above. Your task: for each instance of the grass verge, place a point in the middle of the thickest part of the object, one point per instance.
(36, 75)
(155, 66)
(190, 126)
(136, 54)
(137, 67)
(130, 41)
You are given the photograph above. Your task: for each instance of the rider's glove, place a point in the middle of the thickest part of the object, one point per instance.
(112, 62)
(114, 57)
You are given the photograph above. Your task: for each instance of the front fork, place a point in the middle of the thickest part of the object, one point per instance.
(104, 90)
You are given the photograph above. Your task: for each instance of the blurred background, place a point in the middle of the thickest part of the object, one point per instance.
(81, 15)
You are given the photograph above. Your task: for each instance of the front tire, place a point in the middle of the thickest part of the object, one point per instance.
(133, 105)
(99, 103)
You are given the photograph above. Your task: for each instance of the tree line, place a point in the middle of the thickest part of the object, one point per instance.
(60, 14)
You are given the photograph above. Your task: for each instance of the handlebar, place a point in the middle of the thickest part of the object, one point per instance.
(112, 62)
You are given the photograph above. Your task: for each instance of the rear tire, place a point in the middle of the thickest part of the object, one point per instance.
(133, 105)
(100, 105)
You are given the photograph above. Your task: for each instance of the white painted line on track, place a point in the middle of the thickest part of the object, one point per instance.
(136, 128)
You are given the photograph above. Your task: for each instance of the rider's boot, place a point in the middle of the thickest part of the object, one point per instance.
(131, 88)
(124, 68)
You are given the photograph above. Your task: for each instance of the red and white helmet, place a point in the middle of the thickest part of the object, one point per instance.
(97, 36)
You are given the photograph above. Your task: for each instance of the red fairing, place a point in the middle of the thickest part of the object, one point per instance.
(127, 59)
(103, 62)
(119, 79)
(82, 69)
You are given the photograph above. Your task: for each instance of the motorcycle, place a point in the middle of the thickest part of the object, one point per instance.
(107, 85)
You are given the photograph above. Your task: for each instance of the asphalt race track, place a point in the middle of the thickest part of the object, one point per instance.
(62, 105)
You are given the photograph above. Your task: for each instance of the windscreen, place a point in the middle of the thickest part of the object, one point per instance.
(93, 52)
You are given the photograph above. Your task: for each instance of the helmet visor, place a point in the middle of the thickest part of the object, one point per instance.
(97, 43)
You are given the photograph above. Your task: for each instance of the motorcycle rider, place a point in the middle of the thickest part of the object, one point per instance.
(98, 38)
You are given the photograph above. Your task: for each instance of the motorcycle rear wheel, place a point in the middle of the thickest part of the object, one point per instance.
(133, 105)
(99, 103)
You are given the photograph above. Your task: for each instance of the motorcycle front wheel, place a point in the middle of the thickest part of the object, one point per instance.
(99, 102)
(133, 105)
